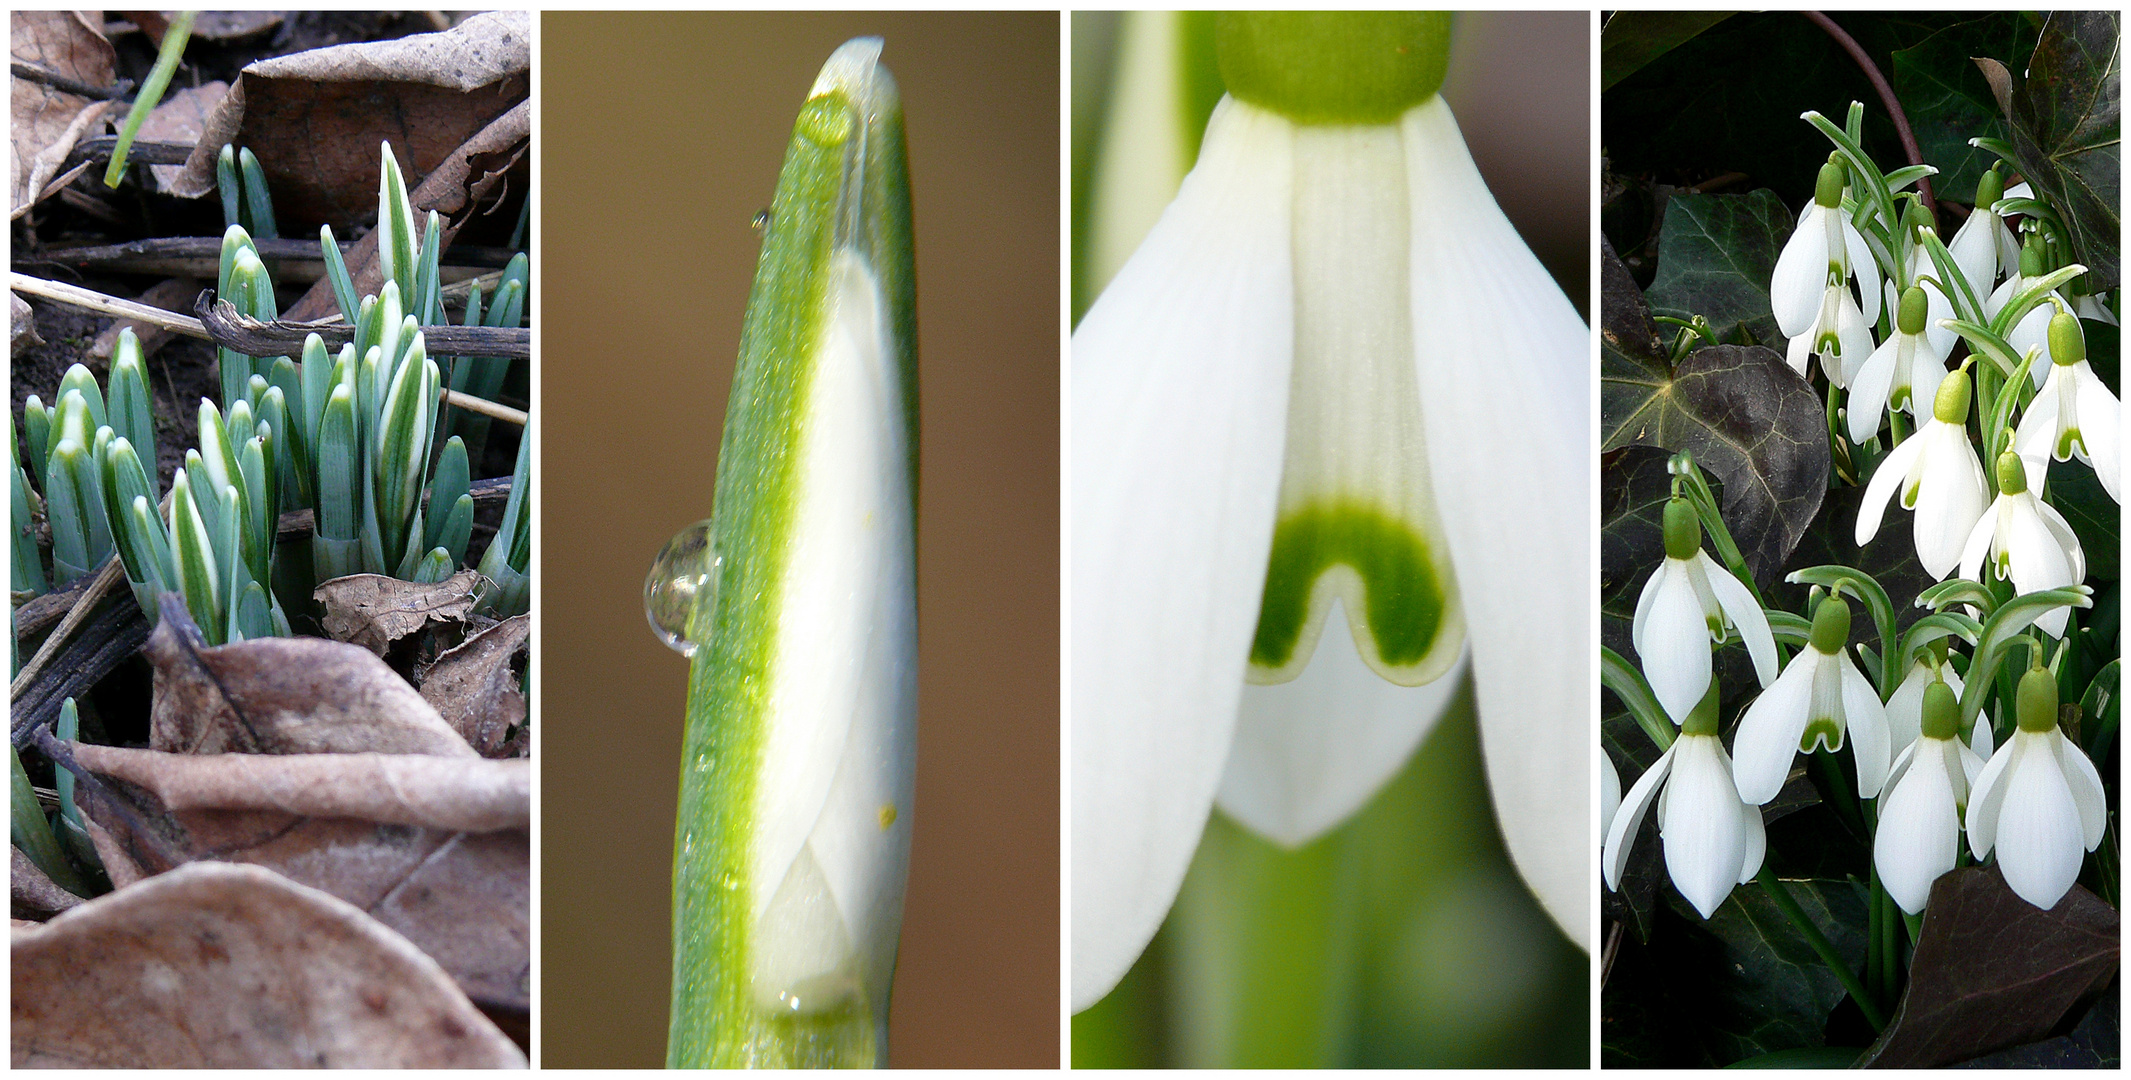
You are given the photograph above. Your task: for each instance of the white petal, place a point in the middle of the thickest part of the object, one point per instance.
(1756, 842)
(1506, 393)
(1310, 752)
(2038, 562)
(1979, 740)
(2085, 784)
(1704, 833)
(2040, 839)
(1180, 383)
(1975, 250)
(1905, 708)
(1769, 731)
(2061, 530)
(1868, 390)
(1855, 334)
(1866, 721)
(1988, 794)
(1865, 269)
(2100, 420)
(1977, 548)
(2035, 436)
(1919, 832)
(1642, 605)
(1745, 613)
(1798, 352)
(1902, 762)
(1676, 643)
(1937, 309)
(1885, 482)
(1801, 276)
(1608, 794)
(1620, 835)
(1951, 495)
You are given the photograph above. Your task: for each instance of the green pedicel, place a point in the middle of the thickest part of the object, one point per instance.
(1323, 67)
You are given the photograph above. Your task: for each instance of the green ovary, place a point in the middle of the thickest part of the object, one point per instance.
(1406, 596)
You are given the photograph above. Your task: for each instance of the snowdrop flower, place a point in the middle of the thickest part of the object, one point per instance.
(1905, 707)
(2073, 413)
(1919, 834)
(1330, 429)
(2039, 802)
(1939, 478)
(1713, 840)
(1810, 291)
(2028, 542)
(1689, 601)
(1906, 369)
(2034, 326)
(1984, 245)
(1818, 700)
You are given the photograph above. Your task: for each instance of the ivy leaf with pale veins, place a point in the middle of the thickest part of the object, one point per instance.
(1949, 101)
(1716, 255)
(1748, 418)
(2067, 133)
(1993, 971)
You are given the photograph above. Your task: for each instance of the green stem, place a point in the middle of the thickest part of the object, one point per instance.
(166, 64)
(1781, 894)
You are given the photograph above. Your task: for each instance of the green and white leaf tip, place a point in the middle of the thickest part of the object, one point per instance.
(800, 617)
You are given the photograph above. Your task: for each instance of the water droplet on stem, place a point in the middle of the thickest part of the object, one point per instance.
(685, 568)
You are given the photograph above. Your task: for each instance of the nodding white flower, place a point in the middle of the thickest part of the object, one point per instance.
(1810, 291)
(1819, 700)
(1984, 245)
(1905, 707)
(1939, 478)
(1902, 373)
(2074, 413)
(1689, 602)
(1919, 835)
(1713, 839)
(2092, 306)
(2039, 802)
(2027, 541)
(1328, 422)
(2034, 326)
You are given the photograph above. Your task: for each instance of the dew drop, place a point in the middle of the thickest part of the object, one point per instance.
(762, 221)
(687, 566)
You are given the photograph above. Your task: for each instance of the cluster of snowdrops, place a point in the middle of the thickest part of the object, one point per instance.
(1970, 444)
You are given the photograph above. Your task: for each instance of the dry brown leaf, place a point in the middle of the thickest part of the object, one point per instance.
(232, 26)
(45, 123)
(180, 118)
(394, 789)
(286, 696)
(21, 327)
(373, 611)
(474, 689)
(217, 966)
(315, 118)
(30, 892)
(470, 907)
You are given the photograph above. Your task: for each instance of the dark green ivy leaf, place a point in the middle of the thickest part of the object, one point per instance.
(1632, 39)
(1748, 418)
(2067, 134)
(1715, 257)
(1948, 101)
(1992, 970)
(2097, 1043)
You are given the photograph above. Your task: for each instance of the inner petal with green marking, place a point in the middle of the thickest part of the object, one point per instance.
(1357, 516)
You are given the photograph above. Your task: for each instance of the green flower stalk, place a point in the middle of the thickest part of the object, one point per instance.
(797, 604)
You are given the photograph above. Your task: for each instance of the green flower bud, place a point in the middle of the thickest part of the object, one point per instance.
(1942, 711)
(1683, 530)
(1326, 67)
(1910, 319)
(2037, 700)
(2068, 343)
(1989, 189)
(1831, 625)
(1702, 719)
(2032, 257)
(2012, 474)
(1951, 405)
(1827, 190)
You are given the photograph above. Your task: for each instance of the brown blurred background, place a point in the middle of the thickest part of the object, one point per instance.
(661, 137)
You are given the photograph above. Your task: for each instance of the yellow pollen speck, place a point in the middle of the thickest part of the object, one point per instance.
(887, 816)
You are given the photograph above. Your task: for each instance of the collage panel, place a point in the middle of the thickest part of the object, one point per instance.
(271, 750)
(1861, 528)
(734, 186)
(1330, 490)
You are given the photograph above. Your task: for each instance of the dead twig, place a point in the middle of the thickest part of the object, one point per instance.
(230, 329)
(1886, 98)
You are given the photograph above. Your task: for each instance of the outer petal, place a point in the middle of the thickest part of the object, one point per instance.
(1919, 831)
(1936, 309)
(1855, 333)
(1866, 721)
(2040, 838)
(1180, 380)
(1951, 495)
(1865, 269)
(1500, 351)
(1798, 352)
(1768, 733)
(1975, 250)
(1987, 795)
(2100, 426)
(2039, 561)
(1620, 836)
(1745, 614)
(1885, 482)
(1642, 605)
(2085, 784)
(1608, 794)
(1675, 646)
(1801, 276)
(1868, 390)
(1756, 843)
(1977, 548)
(2061, 530)
(1905, 710)
(1309, 752)
(1704, 832)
